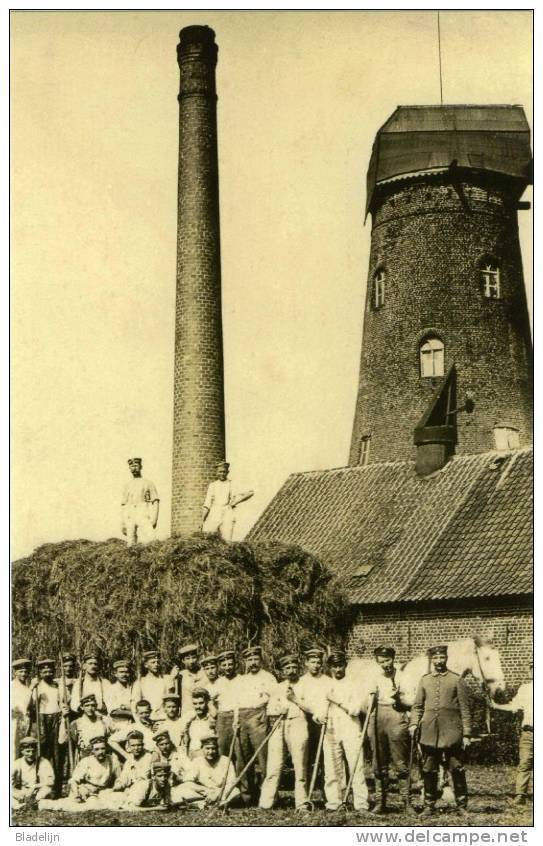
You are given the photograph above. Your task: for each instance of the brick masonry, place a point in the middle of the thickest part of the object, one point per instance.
(429, 236)
(199, 430)
(412, 629)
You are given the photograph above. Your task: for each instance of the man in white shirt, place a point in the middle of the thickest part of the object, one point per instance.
(210, 780)
(91, 776)
(20, 696)
(254, 689)
(88, 726)
(389, 725)
(291, 736)
(218, 509)
(46, 696)
(172, 723)
(118, 696)
(226, 700)
(32, 778)
(190, 675)
(139, 506)
(152, 685)
(197, 723)
(89, 681)
(143, 723)
(210, 666)
(523, 702)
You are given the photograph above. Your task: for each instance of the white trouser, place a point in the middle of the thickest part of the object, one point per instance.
(292, 735)
(344, 737)
(220, 519)
(197, 794)
(137, 521)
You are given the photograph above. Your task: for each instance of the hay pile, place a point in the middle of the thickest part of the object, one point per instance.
(121, 600)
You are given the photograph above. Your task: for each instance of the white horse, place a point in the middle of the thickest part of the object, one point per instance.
(476, 655)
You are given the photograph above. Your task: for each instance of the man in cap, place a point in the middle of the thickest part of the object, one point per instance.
(91, 776)
(151, 794)
(89, 681)
(523, 703)
(137, 765)
(388, 727)
(210, 666)
(139, 506)
(211, 778)
(441, 708)
(143, 724)
(89, 725)
(343, 737)
(197, 723)
(67, 679)
(189, 676)
(46, 696)
(291, 736)
(173, 723)
(118, 695)
(253, 692)
(226, 701)
(20, 696)
(152, 685)
(32, 778)
(218, 508)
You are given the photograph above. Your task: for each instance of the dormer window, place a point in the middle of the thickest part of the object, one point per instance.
(378, 298)
(490, 278)
(432, 358)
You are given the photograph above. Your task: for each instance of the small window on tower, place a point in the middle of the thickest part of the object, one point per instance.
(490, 278)
(506, 437)
(365, 449)
(379, 289)
(432, 358)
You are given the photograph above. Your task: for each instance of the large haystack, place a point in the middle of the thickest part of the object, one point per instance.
(78, 594)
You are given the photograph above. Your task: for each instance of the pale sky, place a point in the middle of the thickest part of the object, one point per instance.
(94, 180)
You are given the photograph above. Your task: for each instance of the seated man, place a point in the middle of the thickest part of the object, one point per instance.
(143, 724)
(89, 725)
(198, 723)
(153, 794)
(32, 777)
(131, 785)
(91, 776)
(211, 778)
(173, 723)
(166, 753)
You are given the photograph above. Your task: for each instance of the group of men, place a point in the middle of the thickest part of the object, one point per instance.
(205, 734)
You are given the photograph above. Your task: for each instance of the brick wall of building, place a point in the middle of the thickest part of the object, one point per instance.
(412, 629)
(430, 238)
(199, 437)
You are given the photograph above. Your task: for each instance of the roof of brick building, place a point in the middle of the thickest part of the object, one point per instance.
(393, 536)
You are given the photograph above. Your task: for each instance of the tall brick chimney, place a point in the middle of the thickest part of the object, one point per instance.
(198, 433)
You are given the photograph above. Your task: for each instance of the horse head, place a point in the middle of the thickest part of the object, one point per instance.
(486, 665)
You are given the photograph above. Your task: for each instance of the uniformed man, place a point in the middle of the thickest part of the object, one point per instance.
(211, 778)
(89, 681)
(46, 698)
(218, 509)
(388, 727)
(20, 697)
(441, 708)
(190, 675)
(67, 679)
(343, 737)
(92, 775)
(32, 778)
(210, 666)
(152, 685)
(139, 506)
(197, 723)
(253, 691)
(166, 752)
(142, 723)
(523, 703)
(173, 722)
(118, 695)
(226, 700)
(291, 736)
(88, 726)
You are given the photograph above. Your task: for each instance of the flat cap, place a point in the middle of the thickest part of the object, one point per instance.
(28, 741)
(337, 656)
(45, 662)
(208, 659)
(91, 653)
(187, 649)
(200, 691)
(19, 663)
(222, 463)
(89, 697)
(99, 738)
(134, 734)
(314, 652)
(384, 652)
(438, 650)
(287, 659)
(150, 653)
(68, 656)
(226, 653)
(121, 663)
(210, 737)
(171, 697)
(161, 767)
(134, 461)
(161, 732)
(252, 650)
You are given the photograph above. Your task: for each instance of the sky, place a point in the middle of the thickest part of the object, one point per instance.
(94, 140)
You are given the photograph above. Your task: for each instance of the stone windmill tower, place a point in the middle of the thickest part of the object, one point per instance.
(446, 318)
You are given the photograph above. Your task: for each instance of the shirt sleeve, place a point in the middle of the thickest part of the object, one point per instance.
(152, 492)
(418, 705)
(208, 502)
(124, 498)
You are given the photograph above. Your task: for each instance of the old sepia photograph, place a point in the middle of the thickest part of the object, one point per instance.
(271, 419)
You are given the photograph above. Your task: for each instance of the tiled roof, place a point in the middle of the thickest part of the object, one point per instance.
(465, 531)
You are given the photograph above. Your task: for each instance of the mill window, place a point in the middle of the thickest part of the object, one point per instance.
(490, 279)
(432, 358)
(379, 289)
(365, 449)
(506, 437)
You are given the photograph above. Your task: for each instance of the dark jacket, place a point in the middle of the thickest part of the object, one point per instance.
(442, 708)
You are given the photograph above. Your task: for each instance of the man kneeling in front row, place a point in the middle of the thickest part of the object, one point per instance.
(32, 777)
(211, 779)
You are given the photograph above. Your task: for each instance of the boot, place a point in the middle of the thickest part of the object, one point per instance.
(460, 787)
(380, 796)
(430, 793)
(404, 792)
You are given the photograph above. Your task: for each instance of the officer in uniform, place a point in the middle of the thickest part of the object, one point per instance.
(388, 727)
(441, 708)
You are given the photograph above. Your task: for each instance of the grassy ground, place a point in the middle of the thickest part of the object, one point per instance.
(490, 805)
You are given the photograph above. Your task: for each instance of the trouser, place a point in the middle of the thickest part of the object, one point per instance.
(453, 759)
(50, 748)
(389, 739)
(345, 737)
(225, 732)
(197, 794)
(291, 736)
(138, 524)
(20, 797)
(220, 520)
(253, 728)
(526, 761)
(132, 797)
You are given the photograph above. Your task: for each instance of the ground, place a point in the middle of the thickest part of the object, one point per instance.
(490, 804)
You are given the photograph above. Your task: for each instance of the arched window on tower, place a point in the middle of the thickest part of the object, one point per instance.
(489, 271)
(378, 293)
(365, 449)
(432, 358)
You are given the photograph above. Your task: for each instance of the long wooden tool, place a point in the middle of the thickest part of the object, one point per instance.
(317, 758)
(254, 756)
(360, 748)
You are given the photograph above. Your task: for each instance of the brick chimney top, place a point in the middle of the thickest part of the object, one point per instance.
(199, 40)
